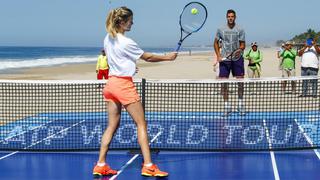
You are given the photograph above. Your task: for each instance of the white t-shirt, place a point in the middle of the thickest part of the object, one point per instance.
(122, 54)
(310, 58)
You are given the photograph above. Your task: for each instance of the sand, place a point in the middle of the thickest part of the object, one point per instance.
(195, 66)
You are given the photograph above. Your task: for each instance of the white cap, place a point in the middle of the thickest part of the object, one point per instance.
(254, 44)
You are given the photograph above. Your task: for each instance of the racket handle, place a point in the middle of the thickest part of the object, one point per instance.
(178, 47)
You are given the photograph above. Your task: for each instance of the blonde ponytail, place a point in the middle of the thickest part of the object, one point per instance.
(110, 24)
(115, 17)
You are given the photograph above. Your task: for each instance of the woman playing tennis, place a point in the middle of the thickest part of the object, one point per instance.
(120, 91)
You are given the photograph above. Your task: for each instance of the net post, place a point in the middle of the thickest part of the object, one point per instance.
(143, 94)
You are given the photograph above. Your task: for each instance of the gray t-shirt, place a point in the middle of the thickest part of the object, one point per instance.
(230, 38)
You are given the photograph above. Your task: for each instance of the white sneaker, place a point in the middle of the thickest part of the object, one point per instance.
(227, 111)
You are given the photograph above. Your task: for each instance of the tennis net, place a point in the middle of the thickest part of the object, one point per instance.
(260, 114)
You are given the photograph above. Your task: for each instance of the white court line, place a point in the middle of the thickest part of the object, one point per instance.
(132, 159)
(214, 81)
(3, 157)
(273, 159)
(33, 144)
(308, 138)
(32, 129)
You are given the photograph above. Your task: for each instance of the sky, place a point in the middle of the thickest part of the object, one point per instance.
(81, 23)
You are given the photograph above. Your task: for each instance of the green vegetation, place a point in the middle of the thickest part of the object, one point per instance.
(301, 38)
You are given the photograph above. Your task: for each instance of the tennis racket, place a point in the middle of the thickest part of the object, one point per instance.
(234, 56)
(192, 19)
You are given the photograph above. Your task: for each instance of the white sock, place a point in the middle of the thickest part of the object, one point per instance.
(240, 105)
(240, 102)
(227, 105)
(148, 165)
(101, 164)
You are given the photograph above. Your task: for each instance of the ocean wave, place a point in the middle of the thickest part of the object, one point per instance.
(43, 62)
(28, 61)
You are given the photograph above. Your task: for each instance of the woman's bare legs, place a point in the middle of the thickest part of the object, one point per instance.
(114, 112)
(136, 112)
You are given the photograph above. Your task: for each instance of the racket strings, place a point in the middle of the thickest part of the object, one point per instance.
(192, 19)
(236, 55)
(192, 22)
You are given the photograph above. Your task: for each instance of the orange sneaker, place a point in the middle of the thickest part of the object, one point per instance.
(103, 171)
(153, 171)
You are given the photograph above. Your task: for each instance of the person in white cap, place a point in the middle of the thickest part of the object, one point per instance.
(288, 65)
(254, 56)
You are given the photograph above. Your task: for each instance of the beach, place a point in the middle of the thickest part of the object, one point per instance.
(198, 65)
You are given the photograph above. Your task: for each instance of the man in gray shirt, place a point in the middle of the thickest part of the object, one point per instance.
(230, 38)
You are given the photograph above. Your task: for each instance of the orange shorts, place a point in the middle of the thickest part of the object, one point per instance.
(121, 90)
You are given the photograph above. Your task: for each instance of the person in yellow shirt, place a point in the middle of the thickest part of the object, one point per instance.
(102, 68)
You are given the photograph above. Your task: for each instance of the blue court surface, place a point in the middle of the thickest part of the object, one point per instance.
(199, 131)
(302, 164)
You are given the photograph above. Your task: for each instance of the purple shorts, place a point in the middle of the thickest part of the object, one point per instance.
(236, 67)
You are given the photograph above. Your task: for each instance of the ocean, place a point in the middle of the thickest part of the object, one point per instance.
(31, 57)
